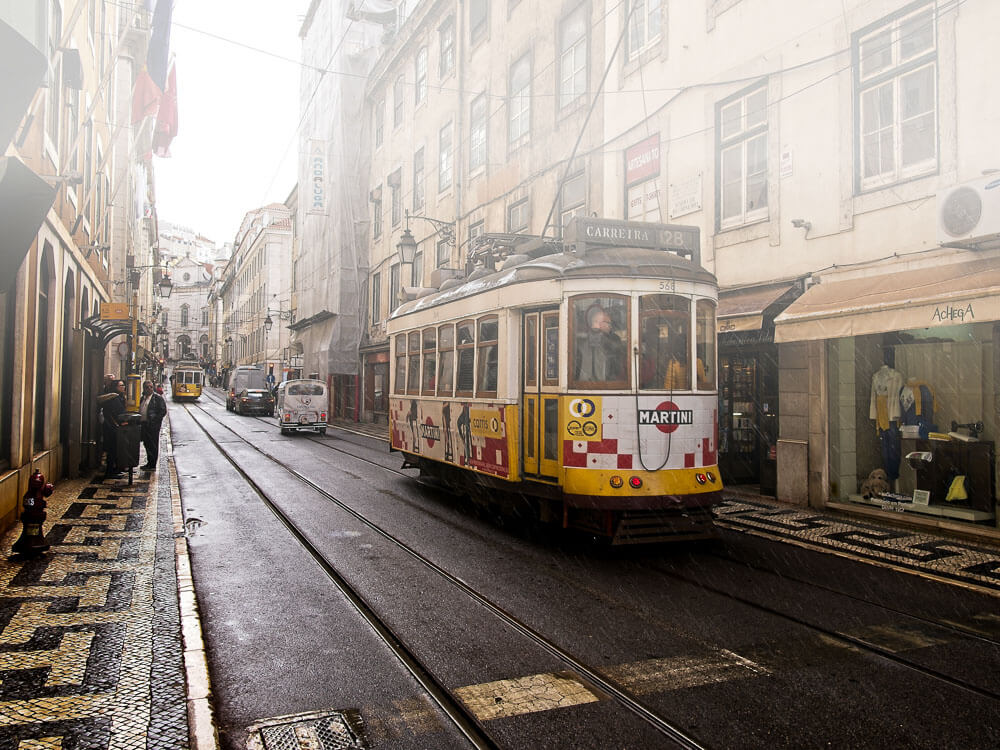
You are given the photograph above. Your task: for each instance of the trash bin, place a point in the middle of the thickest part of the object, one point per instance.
(128, 439)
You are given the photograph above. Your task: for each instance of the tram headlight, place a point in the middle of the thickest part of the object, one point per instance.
(711, 477)
(635, 482)
(617, 482)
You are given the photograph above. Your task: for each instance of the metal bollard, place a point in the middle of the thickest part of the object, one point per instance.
(32, 540)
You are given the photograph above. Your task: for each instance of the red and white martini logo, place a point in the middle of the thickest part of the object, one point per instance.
(666, 417)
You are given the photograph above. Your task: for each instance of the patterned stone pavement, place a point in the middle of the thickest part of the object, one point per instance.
(91, 654)
(968, 564)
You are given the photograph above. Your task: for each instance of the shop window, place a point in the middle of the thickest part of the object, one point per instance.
(413, 363)
(896, 83)
(486, 379)
(742, 158)
(399, 381)
(599, 330)
(428, 381)
(665, 342)
(466, 348)
(446, 360)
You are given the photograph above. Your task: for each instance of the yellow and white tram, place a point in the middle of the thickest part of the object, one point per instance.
(579, 373)
(186, 381)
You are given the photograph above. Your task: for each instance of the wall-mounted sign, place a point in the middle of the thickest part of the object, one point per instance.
(684, 197)
(642, 160)
(114, 311)
(316, 195)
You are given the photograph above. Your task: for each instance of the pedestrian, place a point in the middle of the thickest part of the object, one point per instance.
(112, 409)
(152, 410)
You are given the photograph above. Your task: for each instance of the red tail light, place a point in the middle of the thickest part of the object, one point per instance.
(635, 482)
(322, 416)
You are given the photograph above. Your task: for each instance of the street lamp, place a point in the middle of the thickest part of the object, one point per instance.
(165, 286)
(407, 245)
(281, 314)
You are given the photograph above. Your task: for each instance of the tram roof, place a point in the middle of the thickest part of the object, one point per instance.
(610, 262)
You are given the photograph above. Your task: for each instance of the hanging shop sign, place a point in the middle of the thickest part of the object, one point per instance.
(114, 311)
(317, 177)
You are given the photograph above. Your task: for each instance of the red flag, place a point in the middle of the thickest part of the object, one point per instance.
(166, 118)
(145, 97)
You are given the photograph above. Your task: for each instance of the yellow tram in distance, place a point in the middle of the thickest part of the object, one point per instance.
(578, 373)
(186, 381)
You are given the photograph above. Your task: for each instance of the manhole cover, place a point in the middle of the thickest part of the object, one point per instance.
(314, 731)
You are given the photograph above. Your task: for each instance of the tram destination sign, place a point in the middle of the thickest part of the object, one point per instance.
(680, 238)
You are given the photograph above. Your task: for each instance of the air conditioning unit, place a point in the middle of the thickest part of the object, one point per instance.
(968, 215)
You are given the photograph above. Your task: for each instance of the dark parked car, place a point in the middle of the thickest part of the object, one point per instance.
(255, 401)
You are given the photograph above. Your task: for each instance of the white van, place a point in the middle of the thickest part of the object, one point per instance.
(302, 405)
(244, 376)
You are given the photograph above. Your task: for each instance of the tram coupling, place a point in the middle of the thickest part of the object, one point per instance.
(32, 540)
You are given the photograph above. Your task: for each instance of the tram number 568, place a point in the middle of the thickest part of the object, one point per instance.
(667, 285)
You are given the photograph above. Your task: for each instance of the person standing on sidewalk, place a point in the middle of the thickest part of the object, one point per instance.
(112, 407)
(152, 410)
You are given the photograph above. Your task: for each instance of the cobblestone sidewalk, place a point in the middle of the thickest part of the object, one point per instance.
(91, 653)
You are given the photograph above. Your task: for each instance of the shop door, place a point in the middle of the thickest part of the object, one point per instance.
(540, 405)
(739, 446)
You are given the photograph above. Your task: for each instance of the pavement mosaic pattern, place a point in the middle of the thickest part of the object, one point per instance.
(947, 559)
(90, 638)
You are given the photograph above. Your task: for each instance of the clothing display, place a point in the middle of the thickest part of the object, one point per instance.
(917, 404)
(885, 410)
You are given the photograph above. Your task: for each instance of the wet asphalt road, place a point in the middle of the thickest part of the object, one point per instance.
(731, 642)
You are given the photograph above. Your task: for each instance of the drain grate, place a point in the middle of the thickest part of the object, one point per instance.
(326, 731)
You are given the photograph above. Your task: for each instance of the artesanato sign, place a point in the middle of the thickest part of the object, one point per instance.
(317, 177)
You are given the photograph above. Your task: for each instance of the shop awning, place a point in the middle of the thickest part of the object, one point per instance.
(25, 198)
(22, 70)
(743, 309)
(944, 295)
(105, 330)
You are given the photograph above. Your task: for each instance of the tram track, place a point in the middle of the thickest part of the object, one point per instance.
(464, 720)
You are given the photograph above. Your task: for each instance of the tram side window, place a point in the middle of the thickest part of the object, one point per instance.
(600, 341)
(705, 343)
(400, 379)
(531, 350)
(413, 363)
(446, 360)
(550, 352)
(429, 379)
(466, 358)
(486, 380)
(665, 342)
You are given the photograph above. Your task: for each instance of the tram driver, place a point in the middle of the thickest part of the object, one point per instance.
(600, 355)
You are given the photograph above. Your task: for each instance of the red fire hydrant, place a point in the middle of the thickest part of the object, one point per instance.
(32, 540)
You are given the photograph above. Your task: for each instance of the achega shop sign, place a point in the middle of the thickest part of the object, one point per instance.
(114, 311)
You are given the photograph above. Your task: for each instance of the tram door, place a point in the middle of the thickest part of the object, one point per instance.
(540, 417)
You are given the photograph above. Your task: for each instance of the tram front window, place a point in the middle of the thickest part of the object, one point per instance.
(600, 342)
(665, 342)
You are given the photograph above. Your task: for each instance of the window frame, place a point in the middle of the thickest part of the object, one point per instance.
(398, 101)
(464, 347)
(568, 59)
(899, 66)
(399, 373)
(478, 133)
(749, 135)
(420, 76)
(446, 158)
(446, 351)
(413, 373)
(446, 47)
(419, 181)
(519, 103)
(483, 346)
(428, 386)
(480, 30)
(606, 300)
(640, 20)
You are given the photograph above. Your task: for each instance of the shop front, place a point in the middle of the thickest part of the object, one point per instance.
(748, 383)
(908, 376)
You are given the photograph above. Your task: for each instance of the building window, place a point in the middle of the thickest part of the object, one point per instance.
(397, 102)
(396, 195)
(573, 198)
(376, 297)
(394, 287)
(417, 270)
(420, 76)
(644, 26)
(443, 254)
(573, 57)
(519, 104)
(379, 122)
(476, 229)
(418, 180)
(479, 11)
(517, 216)
(644, 201)
(445, 157)
(477, 133)
(377, 213)
(446, 38)
(896, 82)
(184, 316)
(742, 154)
(204, 316)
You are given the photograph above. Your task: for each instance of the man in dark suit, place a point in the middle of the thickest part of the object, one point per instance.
(152, 410)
